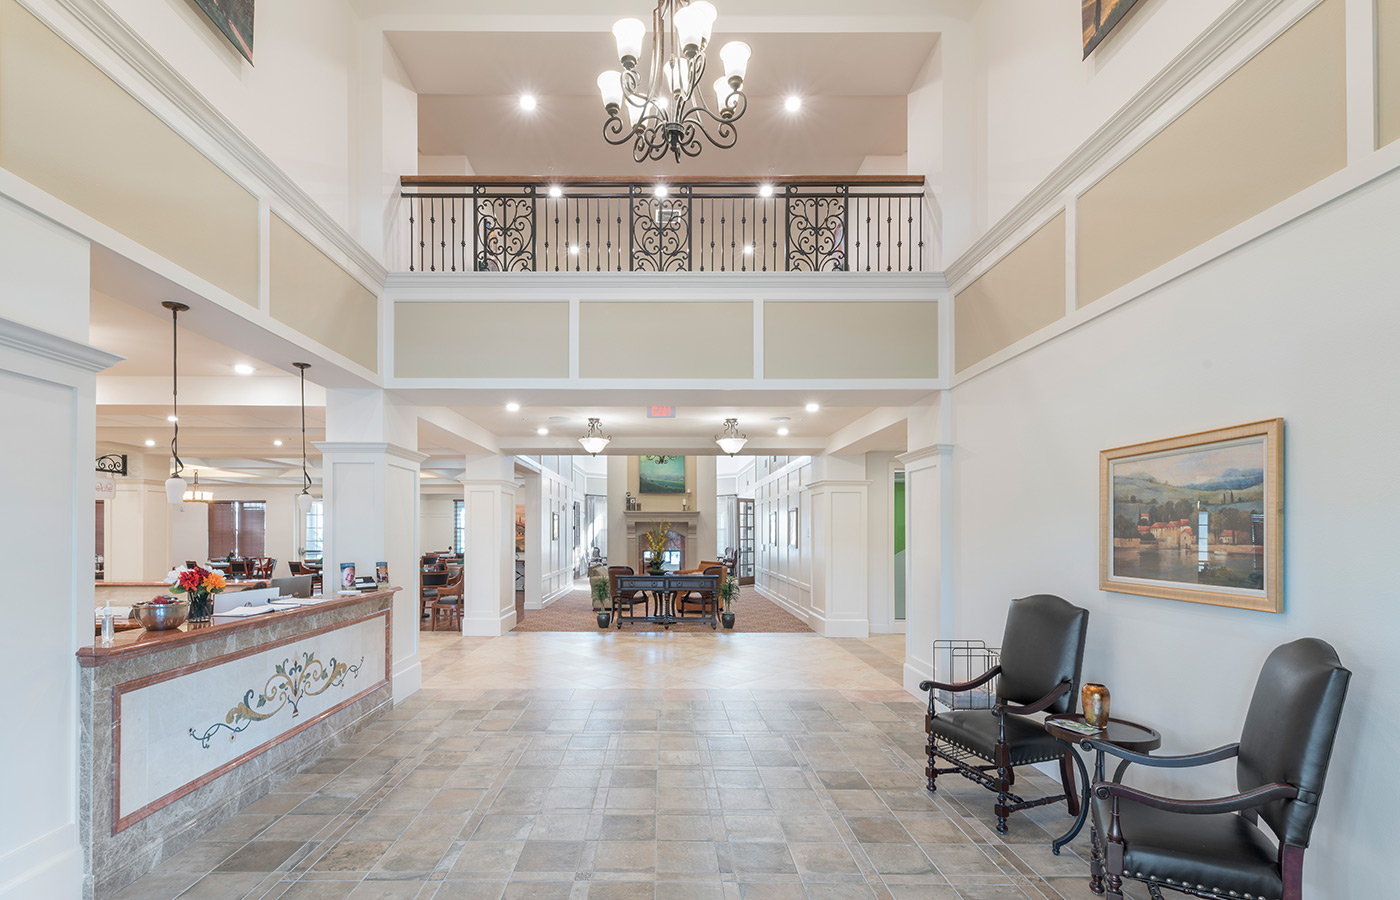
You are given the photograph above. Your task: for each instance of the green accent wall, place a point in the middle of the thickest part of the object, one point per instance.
(899, 586)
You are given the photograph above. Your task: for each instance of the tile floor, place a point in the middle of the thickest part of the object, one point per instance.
(633, 767)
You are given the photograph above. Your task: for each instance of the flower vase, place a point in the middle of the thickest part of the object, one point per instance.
(201, 607)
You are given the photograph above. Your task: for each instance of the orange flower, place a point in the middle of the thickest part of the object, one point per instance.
(214, 582)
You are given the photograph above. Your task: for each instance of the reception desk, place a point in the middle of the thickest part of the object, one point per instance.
(125, 593)
(183, 728)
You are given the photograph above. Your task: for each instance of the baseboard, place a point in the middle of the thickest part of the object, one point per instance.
(49, 866)
(915, 671)
(484, 626)
(840, 628)
(805, 615)
(407, 678)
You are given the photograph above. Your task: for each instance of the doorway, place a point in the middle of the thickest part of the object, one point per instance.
(746, 541)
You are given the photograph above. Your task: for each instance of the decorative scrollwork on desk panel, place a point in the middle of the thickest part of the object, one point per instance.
(505, 235)
(291, 682)
(816, 234)
(660, 234)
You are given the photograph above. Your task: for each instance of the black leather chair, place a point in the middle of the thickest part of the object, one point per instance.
(1215, 848)
(1042, 652)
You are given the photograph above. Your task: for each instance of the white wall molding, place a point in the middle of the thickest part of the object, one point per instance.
(37, 342)
(101, 22)
(651, 287)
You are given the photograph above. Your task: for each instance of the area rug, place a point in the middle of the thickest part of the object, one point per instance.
(753, 614)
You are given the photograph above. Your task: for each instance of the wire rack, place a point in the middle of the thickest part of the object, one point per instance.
(960, 661)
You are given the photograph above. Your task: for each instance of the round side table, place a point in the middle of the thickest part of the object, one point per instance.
(1120, 733)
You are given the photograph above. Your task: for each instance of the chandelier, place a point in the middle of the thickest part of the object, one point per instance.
(667, 112)
(194, 495)
(731, 441)
(595, 441)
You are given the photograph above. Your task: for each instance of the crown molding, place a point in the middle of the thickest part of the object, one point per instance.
(1233, 26)
(37, 342)
(133, 50)
(677, 286)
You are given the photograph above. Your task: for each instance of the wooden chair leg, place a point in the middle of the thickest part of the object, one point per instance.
(1067, 779)
(932, 770)
(1005, 776)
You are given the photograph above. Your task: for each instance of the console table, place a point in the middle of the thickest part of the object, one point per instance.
(664, 589)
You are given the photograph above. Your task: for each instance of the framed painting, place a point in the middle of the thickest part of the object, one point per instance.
(235, 19)
(1196, 518)
(792, 527)
(1100, 17)
(520, 529)
(661, 475)
(554, 528)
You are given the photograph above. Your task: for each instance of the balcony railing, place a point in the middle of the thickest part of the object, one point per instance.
(507, 224)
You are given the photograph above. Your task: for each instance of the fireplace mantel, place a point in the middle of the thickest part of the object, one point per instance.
(683, 522)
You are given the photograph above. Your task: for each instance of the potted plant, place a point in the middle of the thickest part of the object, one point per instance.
(728, 590)
(602, 600)
(201, 584)
(656, 542)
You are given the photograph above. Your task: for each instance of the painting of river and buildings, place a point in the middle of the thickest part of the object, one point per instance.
(1195, 519)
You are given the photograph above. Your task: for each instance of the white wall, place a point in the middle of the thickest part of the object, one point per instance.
(783, 573)
(1299, 324)
(880, 468)
(294, 104)
(436, 527)
(550, 561)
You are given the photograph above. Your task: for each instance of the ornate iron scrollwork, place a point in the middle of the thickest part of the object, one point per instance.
(660, 234)
(816, 234)
(112, 464)
(505, 234)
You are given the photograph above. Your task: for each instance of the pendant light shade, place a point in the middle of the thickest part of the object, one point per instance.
(594, 441)
(731, 441)
(304, 499)
(175, 485)
(193, 494)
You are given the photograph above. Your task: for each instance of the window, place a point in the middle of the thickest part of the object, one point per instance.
(459, 525)
(315, 526)
(238, 527)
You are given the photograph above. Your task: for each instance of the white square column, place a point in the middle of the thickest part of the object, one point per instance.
(370, 491)
(488, 551)
(840, 540)
(927, 542)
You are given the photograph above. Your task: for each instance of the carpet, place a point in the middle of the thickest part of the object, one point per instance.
(753, 614)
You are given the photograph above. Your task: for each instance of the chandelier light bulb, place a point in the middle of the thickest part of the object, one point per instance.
(629, 34)
(556, 191)
(573, 249)
(610, 86)
(693, 26)
(793, 103)
(765, 190)
(175, 489)
(735, 56)
(748, 249)
(724, 93)
(528, 102)
(661, 191)
(678, 76)
(636, 111)
(304, 501)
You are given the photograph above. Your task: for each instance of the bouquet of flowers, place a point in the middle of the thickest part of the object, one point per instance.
(657, 541)
(201, 584)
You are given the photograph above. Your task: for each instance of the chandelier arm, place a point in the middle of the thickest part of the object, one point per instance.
(614, 126)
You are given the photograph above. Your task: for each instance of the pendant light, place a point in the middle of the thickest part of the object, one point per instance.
(195, 495)
(175, 485)
(594, 441)
(304, 499)
(731, 441)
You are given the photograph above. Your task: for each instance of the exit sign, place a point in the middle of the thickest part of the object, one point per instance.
(661, 412)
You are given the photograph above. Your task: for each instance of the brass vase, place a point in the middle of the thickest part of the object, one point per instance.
(1095, 697)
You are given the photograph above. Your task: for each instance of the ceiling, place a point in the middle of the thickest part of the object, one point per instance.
(632, 421)
(851, 109)
(144, 339)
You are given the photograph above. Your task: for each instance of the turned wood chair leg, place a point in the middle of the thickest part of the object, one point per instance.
(932, 770)
(1005, 779)
(1095, 862)
(1067, 779)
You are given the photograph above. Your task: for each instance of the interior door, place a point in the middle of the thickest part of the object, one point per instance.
(746, 541)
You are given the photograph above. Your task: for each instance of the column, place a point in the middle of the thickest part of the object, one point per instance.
(369, 472)
(138, 539)
(839, 535)
(927, 536)
(48, 377)
(488, 551)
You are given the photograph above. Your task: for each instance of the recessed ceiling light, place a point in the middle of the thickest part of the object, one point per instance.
(765, 190)
(661, 190)
(150, 443)
(782, 432)
(813, 407)
(527, 102)
(276, 443)
(781, 419)
(542, 431)
(748, 249)
(512, 407)
(556, 191)
(558, 418)
(793, 103)
(243, 369)
(171, 419)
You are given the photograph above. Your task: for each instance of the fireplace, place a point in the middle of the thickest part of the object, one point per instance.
(684, 532)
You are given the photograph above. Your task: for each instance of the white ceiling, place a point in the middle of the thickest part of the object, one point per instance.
(469, 84)
(144, 338)
(632, 421)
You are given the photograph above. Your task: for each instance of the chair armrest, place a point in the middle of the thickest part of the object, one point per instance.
(1190, 760)
(977, 682)
(1038, 706)
(1233, 803)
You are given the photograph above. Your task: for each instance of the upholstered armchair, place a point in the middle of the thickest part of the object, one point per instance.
(1215, 848)
(626, 599)
(1042, 652)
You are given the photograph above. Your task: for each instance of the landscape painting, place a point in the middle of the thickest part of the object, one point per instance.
(662, 475)
(235, 19)
(1195, 518)
(1100, 16)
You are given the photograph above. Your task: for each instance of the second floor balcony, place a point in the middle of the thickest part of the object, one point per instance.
(607, 224)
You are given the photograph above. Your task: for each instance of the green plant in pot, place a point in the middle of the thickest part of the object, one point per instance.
(602, 601)
(728, 590)
(656, 541)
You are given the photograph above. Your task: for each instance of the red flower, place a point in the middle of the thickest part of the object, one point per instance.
(191, 578)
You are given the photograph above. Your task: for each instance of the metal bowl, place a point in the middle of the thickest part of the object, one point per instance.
(161, 616)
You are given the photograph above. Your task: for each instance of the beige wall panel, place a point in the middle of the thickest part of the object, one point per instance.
(850, 340)
(315, 296)
(1388, 62)
(621, 340)
(1017, 297)
(1274, 127)
(481, 340)
(72, 131)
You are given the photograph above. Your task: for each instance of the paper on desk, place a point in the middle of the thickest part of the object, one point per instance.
(240, 612)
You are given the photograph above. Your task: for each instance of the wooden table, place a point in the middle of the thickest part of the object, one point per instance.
(1120, 733)
(664, 589)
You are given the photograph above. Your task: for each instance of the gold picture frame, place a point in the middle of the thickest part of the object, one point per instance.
(1197, 518)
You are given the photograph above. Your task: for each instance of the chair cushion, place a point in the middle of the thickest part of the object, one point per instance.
(1221, 853)
(976, 730)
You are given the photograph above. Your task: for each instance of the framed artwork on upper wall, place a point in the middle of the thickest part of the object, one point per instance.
(235, 19)
(1196, 518)
(661, 475)
(1100, 17)
(520, 529)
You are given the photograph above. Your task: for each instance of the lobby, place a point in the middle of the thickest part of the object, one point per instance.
(962, 257)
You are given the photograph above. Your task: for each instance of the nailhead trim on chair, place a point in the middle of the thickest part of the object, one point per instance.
(1200, 887)
(1027, 762)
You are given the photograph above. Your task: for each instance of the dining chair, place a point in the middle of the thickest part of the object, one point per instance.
(429, 585)
(631, 598)
(447, 604)
(706, 599)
